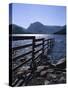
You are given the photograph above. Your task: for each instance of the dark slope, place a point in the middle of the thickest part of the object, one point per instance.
(62, 31)
(36, 28)
(15, 29)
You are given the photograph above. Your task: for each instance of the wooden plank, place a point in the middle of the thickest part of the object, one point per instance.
(22, 55)
(45, 48)
(48, 39)
(21, 64)
(19, 82)
(34, 53)
(20, 47)
(38, 45)
(38, 50)
(38, 56)
(37, 40)
(26, 81)
(15, 82)
(15, 38)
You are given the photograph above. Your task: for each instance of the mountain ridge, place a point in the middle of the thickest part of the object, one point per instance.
(62, 31)
(36, 28)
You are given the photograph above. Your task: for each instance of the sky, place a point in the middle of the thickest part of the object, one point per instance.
(25, 14)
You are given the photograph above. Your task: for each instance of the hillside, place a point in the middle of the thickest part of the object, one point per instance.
(62, 31)
(39, 28)
(15, 29)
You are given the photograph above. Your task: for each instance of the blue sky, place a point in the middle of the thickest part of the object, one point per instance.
(25, 14)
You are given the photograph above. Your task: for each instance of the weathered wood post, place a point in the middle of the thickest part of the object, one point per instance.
(33, 64)
(43, 47)
(52, 42)
(49, 44)
(48, 48)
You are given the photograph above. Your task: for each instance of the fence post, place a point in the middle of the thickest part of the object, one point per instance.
(50, 42)
(48, 48)
(43, 47)
(33, 64)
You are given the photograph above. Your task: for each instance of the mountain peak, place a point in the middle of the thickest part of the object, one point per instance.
(38, 27)
(37, 24)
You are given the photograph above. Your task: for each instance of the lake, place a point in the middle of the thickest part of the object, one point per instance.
(58, 51)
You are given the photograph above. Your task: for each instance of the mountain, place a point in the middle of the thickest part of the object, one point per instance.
(15, 29)
(62, 31)
(38, 28)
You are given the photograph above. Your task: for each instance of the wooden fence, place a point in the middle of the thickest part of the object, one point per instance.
(46, 45)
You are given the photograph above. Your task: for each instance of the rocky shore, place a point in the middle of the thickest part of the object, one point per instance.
(45, 74)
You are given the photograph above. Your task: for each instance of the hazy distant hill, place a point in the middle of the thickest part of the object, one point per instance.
(15, 29)
(37, 28)
(62, 31)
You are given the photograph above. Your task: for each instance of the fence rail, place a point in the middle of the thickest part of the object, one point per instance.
(44, 46)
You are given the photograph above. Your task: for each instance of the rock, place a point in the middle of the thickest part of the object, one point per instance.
(28, 74)
(58, 72)
(64, 73)
(61, 63)
(51, 76)
(39, 68)
(46, 82)
(54, 81)
(50, 70)
(43, 73)
(62, 80)
(23, 72)
(36, 81)
(25, 68)
(47, 66)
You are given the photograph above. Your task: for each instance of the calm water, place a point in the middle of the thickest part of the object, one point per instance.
(59, 49)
